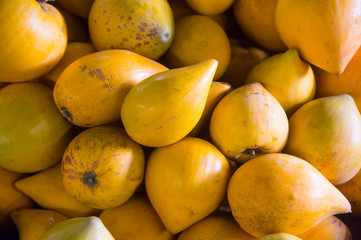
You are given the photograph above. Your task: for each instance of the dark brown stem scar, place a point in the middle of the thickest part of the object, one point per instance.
(90, 179)
(66, 114)
(252, 151)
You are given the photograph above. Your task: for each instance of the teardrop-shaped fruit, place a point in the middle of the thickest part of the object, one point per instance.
(73, 51)
(32, 223)
(82, 228)
(186, 181)
(326, 132)
(248, 122)
(199, 38)
(279, 236)
(33, 134)
(46, 189)
(215, 227)
(327, 33)
(165, 107)
(91, 90)
(10, 198)
(102, 167)
(278, 192)
(287, 77)
(142, 26)
(257, 21)
(331, 228)
(217, 91)
(136, 219)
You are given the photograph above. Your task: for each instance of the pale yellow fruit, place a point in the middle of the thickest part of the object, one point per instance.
(279, 236)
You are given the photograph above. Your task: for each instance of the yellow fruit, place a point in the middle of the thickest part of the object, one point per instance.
(136, 219)
(287, 77)
(77, 7)
(199, 38)
(215, 227)
(248, 122)
(165, 107)
(102, 167)
(10, 198)
(210, 7)
(352, 191)
(278, 192)
(326, 132)
(279, 236)
(34, 38)
(32, 223)
(46, 189)
(186, 181)
(145, 27)
(331, 228)
(33, 134)
(82, 228)
(327, 33)
(73, 51)
(217, 91)
(91, 90)
(180, 8)
(257, 21)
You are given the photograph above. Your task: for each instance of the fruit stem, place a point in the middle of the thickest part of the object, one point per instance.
(252, 151)
(89, 178)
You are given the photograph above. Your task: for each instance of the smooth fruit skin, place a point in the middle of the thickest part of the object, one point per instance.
(10, 198)
(326, 132)
(136, 219)
(186, 181)
(287, 77)
(257, 21)
(279, 236)
(277, 193)
(102, 167)
(199, 38)
(142, 26)
(327, 33)
(91, 90)
(214, 227)
(33, 134)
(32, 223)
(78, 7)
(249, 119)
(47, 190)
(82, 228)
(330, 228)
(210, 7)
(34, 38)
(165, 107)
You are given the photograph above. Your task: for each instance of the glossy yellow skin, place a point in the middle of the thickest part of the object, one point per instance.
(136, 219)
(330, 228)
(116, 164)
(10, 198)
(243, 60)
(186, 181)
(279, 236)
(32, 223)
(82, 228)
(214, 227)
(77, 29)
(33, 134)
(216, 92)
(77, 7)
(74, 51)
(257, 21)
(91, 90)
(287, 77)
(145, 27)
(165, 107)
(326, 33)
(46, 189)
(197, 39)
(326, 132)
(210, 7)
(248, 118)
(34, 38)
(352, 191)
(278, 192)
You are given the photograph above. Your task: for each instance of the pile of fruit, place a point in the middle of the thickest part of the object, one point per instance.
(179, 119)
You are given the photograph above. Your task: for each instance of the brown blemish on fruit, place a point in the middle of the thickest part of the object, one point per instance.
(68, 160)
(138, 38)
(108, 29)
(84, 68)
(97, 72)
(66, 113)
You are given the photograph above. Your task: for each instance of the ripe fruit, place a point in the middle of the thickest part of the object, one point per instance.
(210, 7)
